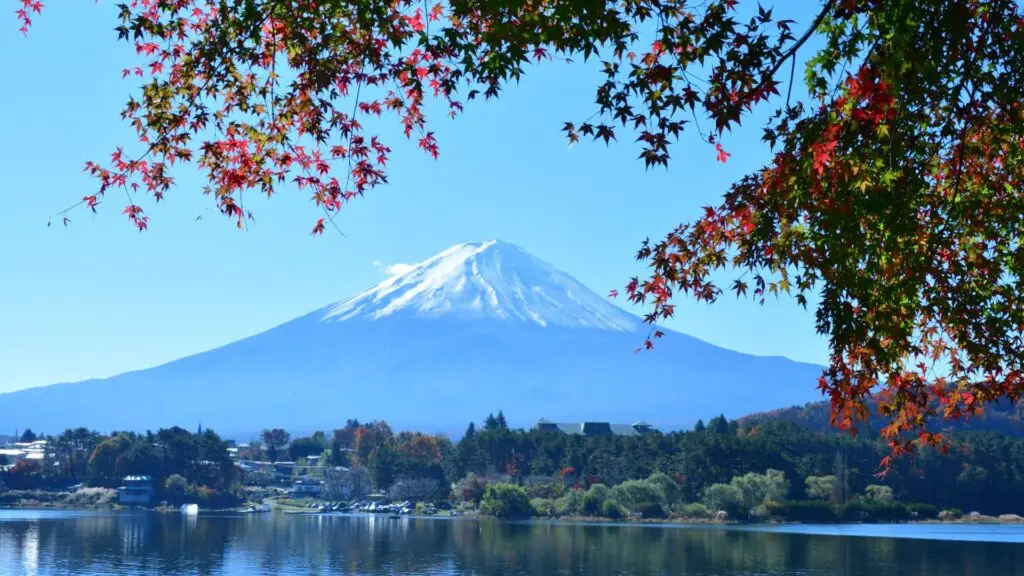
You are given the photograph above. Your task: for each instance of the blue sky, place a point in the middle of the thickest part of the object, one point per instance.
(99, 298)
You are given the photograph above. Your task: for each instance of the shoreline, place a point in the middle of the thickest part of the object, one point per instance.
(1005, 519)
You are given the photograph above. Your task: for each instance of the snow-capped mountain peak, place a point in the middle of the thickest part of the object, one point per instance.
(486, 280)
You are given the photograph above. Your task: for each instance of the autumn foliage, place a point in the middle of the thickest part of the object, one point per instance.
(894, 194)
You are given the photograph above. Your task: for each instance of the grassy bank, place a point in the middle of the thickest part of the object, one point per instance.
(81, 499)
(86, 499)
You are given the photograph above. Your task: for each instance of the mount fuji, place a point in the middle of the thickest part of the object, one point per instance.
(476, 328)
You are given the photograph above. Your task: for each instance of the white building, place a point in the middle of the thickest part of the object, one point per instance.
(32, 451)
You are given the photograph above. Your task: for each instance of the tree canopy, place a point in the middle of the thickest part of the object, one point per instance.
(893, 194)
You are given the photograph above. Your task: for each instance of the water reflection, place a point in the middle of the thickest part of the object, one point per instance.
(30, 552)
(290, 544)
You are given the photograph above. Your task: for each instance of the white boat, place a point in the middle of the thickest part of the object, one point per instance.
(190, 509)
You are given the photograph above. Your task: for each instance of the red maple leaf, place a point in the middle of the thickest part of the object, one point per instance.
(722, 155)
(416, 21)
(318, 228)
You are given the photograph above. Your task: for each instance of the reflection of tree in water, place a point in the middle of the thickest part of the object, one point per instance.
(378, 546)
(499, 549)
(125, 543)
(372, 546)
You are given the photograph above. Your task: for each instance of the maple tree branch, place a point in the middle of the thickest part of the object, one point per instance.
(327, 213)
(791, 53)
(792, 74)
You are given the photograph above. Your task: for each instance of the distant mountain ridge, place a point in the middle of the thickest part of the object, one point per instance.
(1004, 416)
(476, 328)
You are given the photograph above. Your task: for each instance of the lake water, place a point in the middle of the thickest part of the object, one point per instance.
(84, 543)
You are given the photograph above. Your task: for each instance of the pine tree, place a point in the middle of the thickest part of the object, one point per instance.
(490, 423)
(719, 425)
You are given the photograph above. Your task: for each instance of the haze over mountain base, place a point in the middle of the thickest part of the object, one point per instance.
(477, 328)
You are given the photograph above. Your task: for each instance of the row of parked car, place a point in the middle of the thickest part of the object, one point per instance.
(406, 507)
(332, 507)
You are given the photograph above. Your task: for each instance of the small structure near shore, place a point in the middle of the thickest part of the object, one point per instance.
(136, 490)
(306, 486)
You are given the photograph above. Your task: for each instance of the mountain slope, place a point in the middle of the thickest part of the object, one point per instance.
(1003, 416)
(477, 328)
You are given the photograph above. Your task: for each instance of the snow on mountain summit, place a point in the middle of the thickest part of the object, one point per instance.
(486, 280)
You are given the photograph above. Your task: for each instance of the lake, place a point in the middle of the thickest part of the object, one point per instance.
(87, 543)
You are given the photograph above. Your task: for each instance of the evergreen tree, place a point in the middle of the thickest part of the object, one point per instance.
(699, 427)
(490, 423)
(719, 425)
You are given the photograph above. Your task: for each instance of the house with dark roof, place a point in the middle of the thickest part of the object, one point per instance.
(596, 428)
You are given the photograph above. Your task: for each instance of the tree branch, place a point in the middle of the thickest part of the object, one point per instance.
(791, 53)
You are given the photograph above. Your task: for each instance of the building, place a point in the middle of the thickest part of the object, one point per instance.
(596, 428)
(306, 486)
(31, 451)
(136, 490)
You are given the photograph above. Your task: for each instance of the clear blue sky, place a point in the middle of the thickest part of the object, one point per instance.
(99, 298)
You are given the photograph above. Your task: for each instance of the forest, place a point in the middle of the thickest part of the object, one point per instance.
(186, 466)
(714, 465)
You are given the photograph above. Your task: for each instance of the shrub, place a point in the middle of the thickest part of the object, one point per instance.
(25, 475)
(669, 487)
(819, 487)
(92, 497)
(23, 497)
(695, 510)
(877, 493)
(744, 493)
(176, 488)
(874, 512)
(420, 509)
(592, 503)
(571, 503)
(543, 507)
(951, 514)
(757, 489)
(211, 498)
(724, 497)
(545, 490)
(641, 496)
(803, 511)
(506, 501)
(471, 489)
(926, 511)
(889, 511)
(854, 512)
(612, 509)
